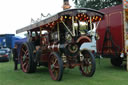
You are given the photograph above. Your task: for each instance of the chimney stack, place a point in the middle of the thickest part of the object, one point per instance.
(66, 5)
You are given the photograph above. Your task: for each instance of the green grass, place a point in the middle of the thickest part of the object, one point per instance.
(105, 74)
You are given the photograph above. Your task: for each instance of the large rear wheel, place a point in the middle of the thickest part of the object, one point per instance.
(88, 66)
(116, 61)
(26, 56)
(55, 66)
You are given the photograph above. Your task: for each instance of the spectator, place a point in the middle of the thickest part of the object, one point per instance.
(15, 57)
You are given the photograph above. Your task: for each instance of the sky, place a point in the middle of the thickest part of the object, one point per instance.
(16, 14)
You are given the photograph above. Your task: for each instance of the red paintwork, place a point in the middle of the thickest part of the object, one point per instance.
(83, 39)
(44, 57)
(114, 20)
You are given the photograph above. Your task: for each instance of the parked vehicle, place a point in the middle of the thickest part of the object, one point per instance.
(113, 33)
(4, 54)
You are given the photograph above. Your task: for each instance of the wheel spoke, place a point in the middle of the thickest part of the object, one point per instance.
(26, 60)
(23, 50)
(55, 61)
(26, 52)
(25, 64)
(56, 73)
(90, 63)
(87, 70)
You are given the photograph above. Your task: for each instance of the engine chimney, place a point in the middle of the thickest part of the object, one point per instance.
(66, 5)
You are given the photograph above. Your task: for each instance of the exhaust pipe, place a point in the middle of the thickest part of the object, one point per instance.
(66, 5)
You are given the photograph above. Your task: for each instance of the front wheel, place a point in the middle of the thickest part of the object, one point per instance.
(55, 66)
(88, 65)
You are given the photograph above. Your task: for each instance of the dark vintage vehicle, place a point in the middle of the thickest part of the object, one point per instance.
(55, 42)
(4, 54)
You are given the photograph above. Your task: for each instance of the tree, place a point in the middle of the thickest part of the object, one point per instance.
(96, 4)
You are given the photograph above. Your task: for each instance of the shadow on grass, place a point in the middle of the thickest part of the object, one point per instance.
(42, 70)
(4, 61)
(68, 74)
(104, 64)
(121, 68)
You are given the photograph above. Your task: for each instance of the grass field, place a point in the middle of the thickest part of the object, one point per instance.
(105, 74)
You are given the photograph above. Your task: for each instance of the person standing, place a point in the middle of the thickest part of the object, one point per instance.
(15, 57)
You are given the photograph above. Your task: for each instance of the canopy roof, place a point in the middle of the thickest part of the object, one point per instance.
(56, 17)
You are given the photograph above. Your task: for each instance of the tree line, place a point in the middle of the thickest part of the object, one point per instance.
(96, 4)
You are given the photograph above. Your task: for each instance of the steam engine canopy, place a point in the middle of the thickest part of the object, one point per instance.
(82, 14)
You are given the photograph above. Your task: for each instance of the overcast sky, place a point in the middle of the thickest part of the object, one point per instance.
(15, 14)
